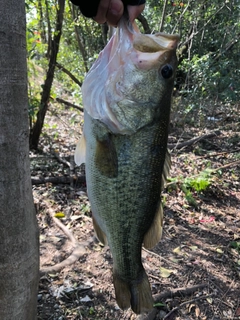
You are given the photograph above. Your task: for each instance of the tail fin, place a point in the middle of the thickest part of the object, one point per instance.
(135, 294)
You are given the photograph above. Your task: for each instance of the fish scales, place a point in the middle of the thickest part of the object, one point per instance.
(126, 157)
(123, 202)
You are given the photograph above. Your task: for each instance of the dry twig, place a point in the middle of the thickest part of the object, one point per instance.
(185, 303)
(194, 140)
(58, 180)
(78, 251)
(179, 292)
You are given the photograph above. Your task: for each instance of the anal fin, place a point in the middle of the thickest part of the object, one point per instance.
(154, 233)
(166, 168)
(100, 234)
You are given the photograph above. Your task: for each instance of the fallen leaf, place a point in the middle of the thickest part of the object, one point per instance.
(53, 275)
(59, 215)
(209, 300)
(75, 217)
(177, 250)
(165, 273)
(191, 306)
(237, 312)
(193, 248)
(86, 299)
(159, 304)
(197, 311)
(236, 236)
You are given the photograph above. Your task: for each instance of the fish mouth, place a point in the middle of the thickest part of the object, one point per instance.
(154, 43)
(168, 41)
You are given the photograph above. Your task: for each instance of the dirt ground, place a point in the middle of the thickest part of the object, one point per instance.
(194, 270)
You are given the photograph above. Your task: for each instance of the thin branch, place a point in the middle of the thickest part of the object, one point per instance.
(181, 16)
(69, 104)
(185, 303)
(203, 27)
(163, 16)
(60, 159)
(179, 292)
(194, 140)
(78, 37)
(231, 164)
(58, 180)
(144, 23)
(62, 68)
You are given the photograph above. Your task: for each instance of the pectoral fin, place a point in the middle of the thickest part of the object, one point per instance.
(80, 151)
(106, 157)
(100, 234)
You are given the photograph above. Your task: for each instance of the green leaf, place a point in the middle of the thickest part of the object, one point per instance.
(177, 250)
(59, 215)
(193, 248)
(165, 273)
(159, 304)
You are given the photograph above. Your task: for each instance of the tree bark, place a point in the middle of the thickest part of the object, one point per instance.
(37, 128)
(19, 253)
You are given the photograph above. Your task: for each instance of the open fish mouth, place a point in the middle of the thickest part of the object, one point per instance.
(127, 52)
(154, 43)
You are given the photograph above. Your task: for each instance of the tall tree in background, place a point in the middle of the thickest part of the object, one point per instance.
(19, 257)
(53, 48)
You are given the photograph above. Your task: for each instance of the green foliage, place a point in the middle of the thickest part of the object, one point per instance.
(77, 32)
(209, 54)
(235, 245)
(193, 186)
(200, 182)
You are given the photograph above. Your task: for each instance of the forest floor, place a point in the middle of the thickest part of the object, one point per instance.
(194, 270)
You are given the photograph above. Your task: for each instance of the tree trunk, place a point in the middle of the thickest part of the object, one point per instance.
(45, 96)
(19, 256)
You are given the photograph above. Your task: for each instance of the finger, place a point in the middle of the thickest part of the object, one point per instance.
(115, 12)
(103, 7)
(134, 11)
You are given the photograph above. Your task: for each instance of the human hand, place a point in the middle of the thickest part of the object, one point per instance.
(109, 10)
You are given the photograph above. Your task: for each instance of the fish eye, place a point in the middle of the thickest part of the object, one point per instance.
(167, 71)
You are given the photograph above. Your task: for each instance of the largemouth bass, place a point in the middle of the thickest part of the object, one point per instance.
(127, 98)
